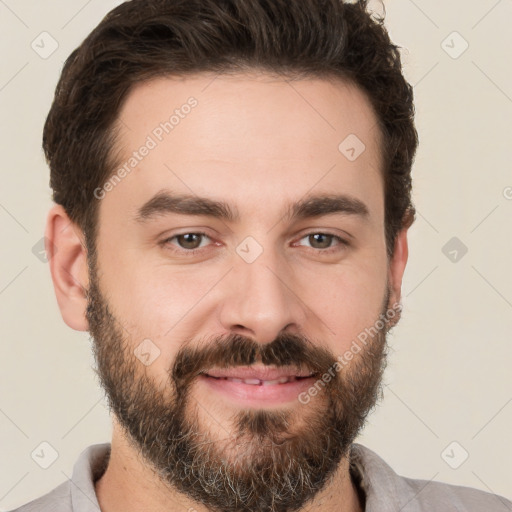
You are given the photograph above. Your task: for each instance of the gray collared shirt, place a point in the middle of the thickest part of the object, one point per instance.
(384, 490)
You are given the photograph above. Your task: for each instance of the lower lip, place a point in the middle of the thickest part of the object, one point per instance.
(258, 395)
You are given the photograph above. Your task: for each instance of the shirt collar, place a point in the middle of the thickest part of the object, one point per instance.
(88, 468)
(385, 491)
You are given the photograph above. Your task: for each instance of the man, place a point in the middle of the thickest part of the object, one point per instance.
(232, 187)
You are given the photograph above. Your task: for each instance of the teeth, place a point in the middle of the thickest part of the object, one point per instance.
(258, 382)
(251, 381)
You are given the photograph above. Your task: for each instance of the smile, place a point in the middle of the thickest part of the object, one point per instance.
(261, 382)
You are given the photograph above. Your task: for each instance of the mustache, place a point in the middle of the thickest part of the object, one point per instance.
(237, 350)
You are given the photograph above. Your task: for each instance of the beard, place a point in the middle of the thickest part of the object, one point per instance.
(271, 460)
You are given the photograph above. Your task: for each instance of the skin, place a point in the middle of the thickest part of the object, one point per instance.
(258, 143)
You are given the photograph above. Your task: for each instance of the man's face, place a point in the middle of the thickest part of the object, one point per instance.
(172, 310)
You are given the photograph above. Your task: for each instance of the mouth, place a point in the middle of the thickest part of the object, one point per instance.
(251, 374)
(261, 382)
(258, 386)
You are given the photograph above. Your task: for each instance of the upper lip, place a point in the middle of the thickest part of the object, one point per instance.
(257, 372)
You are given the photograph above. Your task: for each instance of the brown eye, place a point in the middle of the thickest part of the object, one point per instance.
(324, 243)
(189, 244)
(320, 240)
(189, 240)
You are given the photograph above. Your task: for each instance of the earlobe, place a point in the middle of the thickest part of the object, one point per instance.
(67, 257)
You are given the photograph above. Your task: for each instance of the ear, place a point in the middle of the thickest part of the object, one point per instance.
(396, 267)
(67, 256)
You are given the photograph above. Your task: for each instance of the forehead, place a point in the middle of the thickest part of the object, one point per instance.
(251, 136)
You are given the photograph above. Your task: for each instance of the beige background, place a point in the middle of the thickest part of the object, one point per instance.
(449, 376)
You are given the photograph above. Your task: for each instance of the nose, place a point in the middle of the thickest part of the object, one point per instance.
(259, 300)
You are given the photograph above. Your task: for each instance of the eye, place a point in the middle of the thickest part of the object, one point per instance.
(187, 242)
(324, 242)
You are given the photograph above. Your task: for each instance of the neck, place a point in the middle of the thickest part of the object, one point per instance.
(130, 485)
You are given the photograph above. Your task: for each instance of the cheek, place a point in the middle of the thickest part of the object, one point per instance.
(162, 304)
(155, 295)
(347, 299)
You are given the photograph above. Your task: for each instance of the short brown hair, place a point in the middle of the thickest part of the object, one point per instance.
(144, 39)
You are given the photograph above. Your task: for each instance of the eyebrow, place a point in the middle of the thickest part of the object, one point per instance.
(164, 202)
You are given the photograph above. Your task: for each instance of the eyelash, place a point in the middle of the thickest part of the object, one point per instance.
(191, 252)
